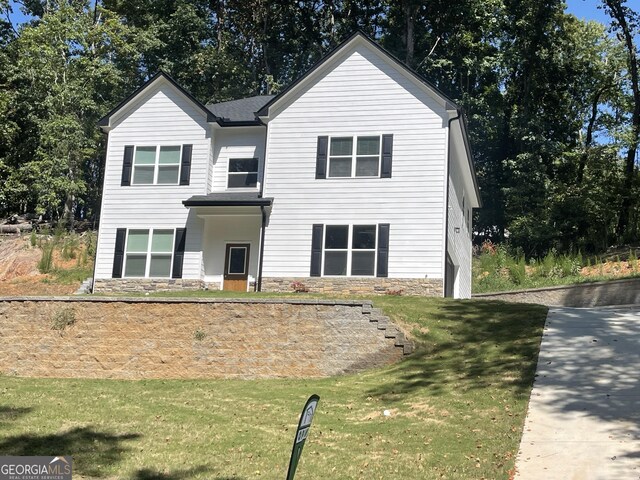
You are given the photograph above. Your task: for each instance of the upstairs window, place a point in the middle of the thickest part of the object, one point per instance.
(354, 156)
(156, 165)
(243, 173)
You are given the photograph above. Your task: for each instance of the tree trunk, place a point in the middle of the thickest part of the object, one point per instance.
(589, 137)
(409, 39)
(220, 14)
(617, 12)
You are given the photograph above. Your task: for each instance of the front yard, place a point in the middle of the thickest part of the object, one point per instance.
(456, 408)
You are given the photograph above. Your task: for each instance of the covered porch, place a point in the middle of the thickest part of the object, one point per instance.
(232, 238)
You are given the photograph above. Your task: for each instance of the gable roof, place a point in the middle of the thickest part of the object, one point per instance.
(105, 122)
(359, 35)
(241, 110)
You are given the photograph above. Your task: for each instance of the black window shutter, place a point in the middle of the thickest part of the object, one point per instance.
(387, 154)
(118, 255)
(185, 168)
(178, 252)
(316, 250)
(127, 162)
(321, 157)
(383, 250)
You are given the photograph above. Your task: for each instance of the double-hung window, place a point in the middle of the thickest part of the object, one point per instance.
(156, 165)
(354, 156)
(149, 253)
(350, 250)
(243, 173)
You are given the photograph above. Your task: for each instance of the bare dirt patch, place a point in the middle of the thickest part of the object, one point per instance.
(19, 273)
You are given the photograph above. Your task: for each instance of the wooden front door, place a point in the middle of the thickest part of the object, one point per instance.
(236, 267)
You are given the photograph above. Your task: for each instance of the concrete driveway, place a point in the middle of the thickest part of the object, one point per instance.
(583, 420)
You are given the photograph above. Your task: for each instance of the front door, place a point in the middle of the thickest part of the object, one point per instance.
(236, 267)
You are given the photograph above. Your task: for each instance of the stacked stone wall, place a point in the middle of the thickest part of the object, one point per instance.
(170, 338)
(357, 285)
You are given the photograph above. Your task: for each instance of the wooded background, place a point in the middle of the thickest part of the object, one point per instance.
(553, 102)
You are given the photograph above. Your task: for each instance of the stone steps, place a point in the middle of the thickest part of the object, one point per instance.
(85, 287)
(387, 328)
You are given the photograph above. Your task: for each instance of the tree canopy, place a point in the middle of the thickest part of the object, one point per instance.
(553, 101)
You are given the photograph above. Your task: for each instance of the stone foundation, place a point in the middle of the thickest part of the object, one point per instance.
(142, 285)
(424, 287)
(134, 338)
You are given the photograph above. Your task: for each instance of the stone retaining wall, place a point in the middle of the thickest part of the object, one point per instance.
(616, 292)
(358, 286)
(143, 285)
(178, 338)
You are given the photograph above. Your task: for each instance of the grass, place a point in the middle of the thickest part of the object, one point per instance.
(457, 410)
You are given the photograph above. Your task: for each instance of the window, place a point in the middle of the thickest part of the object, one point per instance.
(149, 253)
(354, 156)
(350, 250)
(156, 165)
(243, 173)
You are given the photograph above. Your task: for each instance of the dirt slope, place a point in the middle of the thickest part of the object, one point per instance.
(19, 273)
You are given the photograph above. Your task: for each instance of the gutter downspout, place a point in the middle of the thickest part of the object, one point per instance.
(446, 220)
(264, 214)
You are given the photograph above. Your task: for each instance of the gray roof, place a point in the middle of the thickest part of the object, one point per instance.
(242, 110)
(232, 199)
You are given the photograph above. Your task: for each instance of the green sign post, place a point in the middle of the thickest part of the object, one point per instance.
(301, 433)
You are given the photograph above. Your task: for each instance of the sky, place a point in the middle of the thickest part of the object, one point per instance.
(588, 10)
(585, 9)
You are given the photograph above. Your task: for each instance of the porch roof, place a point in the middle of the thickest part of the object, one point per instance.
(247, 199)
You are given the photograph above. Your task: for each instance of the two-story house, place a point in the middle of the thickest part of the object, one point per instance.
(356, 178)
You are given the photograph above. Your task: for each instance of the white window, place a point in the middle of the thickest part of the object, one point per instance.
(350, 250)
(354, 156)
(243, 173)
(149, 253)
(156, 165)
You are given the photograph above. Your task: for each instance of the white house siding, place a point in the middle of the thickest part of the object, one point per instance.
(459, 243)
(160, 116)
(235, 142)
(362, 95)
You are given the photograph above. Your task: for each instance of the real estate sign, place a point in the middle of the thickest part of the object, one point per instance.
(301, 433)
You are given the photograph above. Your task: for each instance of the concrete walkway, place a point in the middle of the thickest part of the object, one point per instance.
(583, 420)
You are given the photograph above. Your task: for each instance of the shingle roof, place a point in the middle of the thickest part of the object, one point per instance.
(228, 200)
(241, 110)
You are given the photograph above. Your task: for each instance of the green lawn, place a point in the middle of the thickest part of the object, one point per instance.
(457, 409)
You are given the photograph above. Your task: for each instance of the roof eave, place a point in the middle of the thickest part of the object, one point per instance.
(260, 202)
(449, 104)
(105, 122)
(462, 120)
(223, 122)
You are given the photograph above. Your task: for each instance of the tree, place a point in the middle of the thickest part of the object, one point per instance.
(626, 24)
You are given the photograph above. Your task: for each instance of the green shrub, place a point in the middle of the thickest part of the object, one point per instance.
(45, 265)
(90, 244)
(70, 246)
(58, 233)
(518, 271)
(33, 239)
(63, 319)
(569, 266)
(633, 259)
